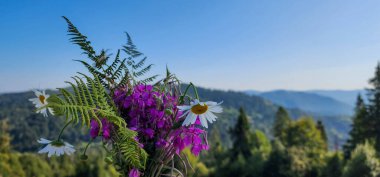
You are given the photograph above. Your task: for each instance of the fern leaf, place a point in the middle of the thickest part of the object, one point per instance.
(119, 70)
(101, 59)
(130, 48)
(81, 40)
(91, 69)
(142, 71)
(130, 149)
(125, 80)
(149, 79)
(139, 64)
(113, 66)
(89, 101)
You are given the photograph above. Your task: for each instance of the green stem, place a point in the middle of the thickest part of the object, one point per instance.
(88, 144)
(183, 96)
(195, 91)
(105, 148)
(186, 90)
(60, 133)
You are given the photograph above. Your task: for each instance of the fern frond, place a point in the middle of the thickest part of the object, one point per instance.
(139, 64)
(130, 61)
(91, 69)
(130, 48)
(149, 79)
(142, 71)
(129, 148)
(125, 80)
(114, 64)
(120, 71)
(81, 40)
(90, 100)
(102, 59)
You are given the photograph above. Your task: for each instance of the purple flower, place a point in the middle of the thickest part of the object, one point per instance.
(107, 126)
(161, 143)
(106, 129)
(146, 111)
(149, 132)
(137, 140)
(134, 173)
(94, 128)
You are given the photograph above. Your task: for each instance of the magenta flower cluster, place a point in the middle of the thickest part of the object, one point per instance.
(134, 173)
(154, 115)
(106, 129)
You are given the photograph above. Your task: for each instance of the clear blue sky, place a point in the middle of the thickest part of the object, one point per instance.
(237, 45)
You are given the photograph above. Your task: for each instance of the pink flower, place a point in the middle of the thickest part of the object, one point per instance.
(107, 126)
(95, 128)
(134, 173)
(153, 114)
(149, 132)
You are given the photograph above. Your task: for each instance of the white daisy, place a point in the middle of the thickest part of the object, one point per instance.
(204, 110)
(41, 101)
(56, 147)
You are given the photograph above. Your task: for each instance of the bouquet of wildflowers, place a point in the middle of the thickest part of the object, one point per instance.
(143, 126)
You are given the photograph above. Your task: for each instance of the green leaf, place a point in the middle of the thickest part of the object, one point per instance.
(90, 100)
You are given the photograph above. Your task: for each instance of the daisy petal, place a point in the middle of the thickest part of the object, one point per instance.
(193, 118)
(184, 108)
(59, 148)
(210, 116)
(187, 120)
(184, 114)
(43, 141)
(216, 109)
(203, 121)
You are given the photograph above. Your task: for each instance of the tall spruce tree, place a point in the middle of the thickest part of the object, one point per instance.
(281, 122)
(334, 167)
(216, 153)
(322, 129)
(360, 128)
(363, 162)
(241, 137)
(374, 108)
(4, 137)
(278, 163)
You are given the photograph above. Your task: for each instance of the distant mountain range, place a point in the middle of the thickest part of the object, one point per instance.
(345, 96)
(27, 126)
(323, 102)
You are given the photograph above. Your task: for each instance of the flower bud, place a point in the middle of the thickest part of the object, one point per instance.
(83, 157)
(108, 160)
(168, 111)
(158, 99)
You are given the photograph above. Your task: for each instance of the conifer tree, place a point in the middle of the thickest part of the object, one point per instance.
(237, 161)
(281, 122)
(4, 137)
(333, 167)
(216, 152)
(363, 162)
(360, 128)
(374, 108)
(260, 140)
(241, 137)
(322, 129)
(304, 133)
(278, 163)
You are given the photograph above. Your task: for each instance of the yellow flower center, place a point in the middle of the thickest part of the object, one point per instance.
(42, 99)
(199, 109)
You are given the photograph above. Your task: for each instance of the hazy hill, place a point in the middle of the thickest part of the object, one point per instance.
(345, 96)
(307, 101)
(27, 127)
